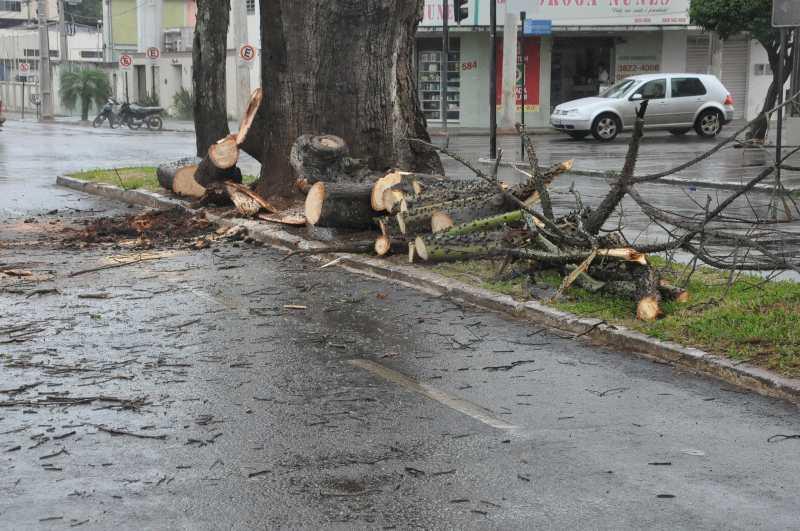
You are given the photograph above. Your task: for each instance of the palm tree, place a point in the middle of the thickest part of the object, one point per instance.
(84, 85)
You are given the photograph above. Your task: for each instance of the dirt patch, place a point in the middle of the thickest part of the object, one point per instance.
(144, 230)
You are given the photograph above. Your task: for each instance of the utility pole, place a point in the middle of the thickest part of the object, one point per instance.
(109, 29)
(239, 8)
(62, 23)
(45, 82)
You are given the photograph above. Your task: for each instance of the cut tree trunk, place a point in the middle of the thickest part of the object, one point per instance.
(317, 158)
(209, 55)
(179, 177)
(340, 205)
(219, 164)
(343, 68)
(252, 127)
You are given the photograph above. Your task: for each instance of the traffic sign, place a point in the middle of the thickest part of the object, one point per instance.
(153, 53)
(247, 53)
(24, 68)
(125, 61)
(537, 27)
(785, 13)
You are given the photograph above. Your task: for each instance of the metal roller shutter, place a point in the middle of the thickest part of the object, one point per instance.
(735, 64)
(697, 60)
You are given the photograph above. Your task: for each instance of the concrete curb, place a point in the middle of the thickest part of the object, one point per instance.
(674, 181)
(697, 361)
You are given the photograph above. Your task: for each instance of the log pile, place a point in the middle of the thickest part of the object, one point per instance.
(432, 218)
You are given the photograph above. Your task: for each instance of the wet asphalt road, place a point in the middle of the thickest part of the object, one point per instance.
(267, 423)
(280, 417)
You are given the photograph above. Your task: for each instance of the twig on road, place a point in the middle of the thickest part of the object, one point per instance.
(112, 266)
(114, 431)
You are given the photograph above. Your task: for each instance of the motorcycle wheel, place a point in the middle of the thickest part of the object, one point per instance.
(98, 121)
(133, 124)
(155, 123)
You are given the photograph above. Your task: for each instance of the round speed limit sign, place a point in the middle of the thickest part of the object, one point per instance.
(247, 53)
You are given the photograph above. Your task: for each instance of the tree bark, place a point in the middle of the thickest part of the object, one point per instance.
(208, 75)
(341, 67)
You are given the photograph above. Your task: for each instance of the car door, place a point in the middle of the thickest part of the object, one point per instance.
(687, 94)
(655, 91)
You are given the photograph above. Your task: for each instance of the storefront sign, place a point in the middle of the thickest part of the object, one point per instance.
(532, 59)
(537, 27)
(432, 13)
(572, 12)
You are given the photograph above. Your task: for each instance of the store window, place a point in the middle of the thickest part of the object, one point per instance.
(429, 63)
(581, 67)
(251, 7)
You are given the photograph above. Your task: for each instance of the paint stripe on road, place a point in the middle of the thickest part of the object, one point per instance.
(453, 402)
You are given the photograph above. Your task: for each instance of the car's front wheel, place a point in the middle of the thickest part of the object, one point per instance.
(578, 135)
(709, 123)
(606, 127)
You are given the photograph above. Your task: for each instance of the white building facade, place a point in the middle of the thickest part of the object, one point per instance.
(591, 44)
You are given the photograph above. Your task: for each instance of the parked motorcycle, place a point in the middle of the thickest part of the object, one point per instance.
(135, 116)
(107, 113)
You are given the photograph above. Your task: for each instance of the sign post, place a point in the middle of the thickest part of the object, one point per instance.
(125, 63)
(785, 14)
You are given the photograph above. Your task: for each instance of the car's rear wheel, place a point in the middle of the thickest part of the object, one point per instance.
(606, 127)
(578, 135)
(679, 132)
(709, 123)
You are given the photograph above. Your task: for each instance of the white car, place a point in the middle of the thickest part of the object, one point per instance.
(678, 103)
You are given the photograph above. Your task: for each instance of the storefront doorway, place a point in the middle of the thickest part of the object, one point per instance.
(581, 67)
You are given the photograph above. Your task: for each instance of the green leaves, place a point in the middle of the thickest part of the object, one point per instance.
(728, 17)
(84, 85)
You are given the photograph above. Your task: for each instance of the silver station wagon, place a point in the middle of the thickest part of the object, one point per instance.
(678, 103)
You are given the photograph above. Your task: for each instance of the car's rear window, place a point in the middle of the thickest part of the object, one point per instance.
(687, 86)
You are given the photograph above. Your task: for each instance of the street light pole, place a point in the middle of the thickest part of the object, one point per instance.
(45, 82)
(523, 88)
(493, 80)
(443, 68)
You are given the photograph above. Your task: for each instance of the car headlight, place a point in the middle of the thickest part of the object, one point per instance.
(571, 112)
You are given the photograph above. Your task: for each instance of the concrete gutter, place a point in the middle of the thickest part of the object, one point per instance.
(741, 375)
(674, 181)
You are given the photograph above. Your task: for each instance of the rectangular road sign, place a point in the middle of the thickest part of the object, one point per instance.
(537, 27)
(785, 13)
